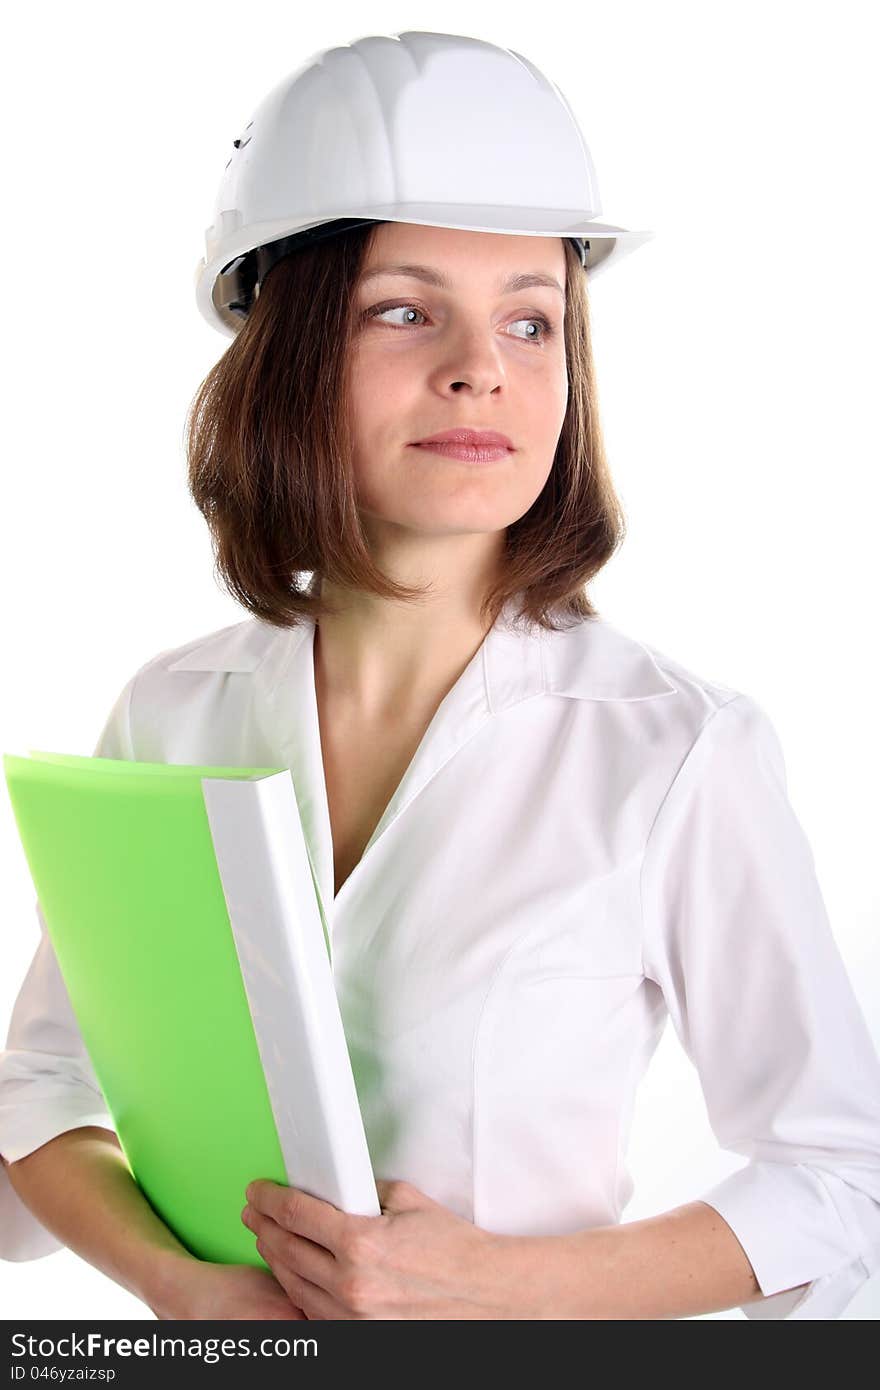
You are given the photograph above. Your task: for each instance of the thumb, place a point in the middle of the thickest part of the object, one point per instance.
(397, 1195)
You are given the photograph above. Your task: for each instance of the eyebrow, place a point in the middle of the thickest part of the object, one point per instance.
(512, 285)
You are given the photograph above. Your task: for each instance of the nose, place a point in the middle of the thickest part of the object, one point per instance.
(468, 360)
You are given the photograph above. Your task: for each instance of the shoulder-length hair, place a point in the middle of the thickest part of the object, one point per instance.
(269, 459)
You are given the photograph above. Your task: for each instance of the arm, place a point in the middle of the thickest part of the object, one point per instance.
(738, 943)
(81, 1189)
(680, 1264)
(79, 1186)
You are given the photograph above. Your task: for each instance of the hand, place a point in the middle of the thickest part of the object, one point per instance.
(200, 1289)
(415, 1260)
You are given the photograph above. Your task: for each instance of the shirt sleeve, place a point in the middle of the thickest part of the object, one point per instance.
(47, 1083)
(737, 937)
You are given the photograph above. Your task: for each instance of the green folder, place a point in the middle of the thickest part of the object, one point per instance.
(182, 908)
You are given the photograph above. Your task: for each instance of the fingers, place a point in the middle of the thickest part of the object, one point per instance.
(294, 1255)
(299, 1212)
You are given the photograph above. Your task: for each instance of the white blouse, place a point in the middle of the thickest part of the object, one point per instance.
(589, 838)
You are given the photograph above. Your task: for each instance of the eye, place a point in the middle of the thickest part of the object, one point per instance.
(545, 327)
(380, 310)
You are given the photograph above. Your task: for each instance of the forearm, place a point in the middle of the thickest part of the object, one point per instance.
(80, 1187)
(680, 1264)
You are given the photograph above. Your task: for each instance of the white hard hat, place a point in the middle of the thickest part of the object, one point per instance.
(437, 129)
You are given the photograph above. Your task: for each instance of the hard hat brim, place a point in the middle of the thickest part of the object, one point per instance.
(606, 239)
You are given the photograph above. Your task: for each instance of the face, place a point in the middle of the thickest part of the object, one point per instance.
(473, 353)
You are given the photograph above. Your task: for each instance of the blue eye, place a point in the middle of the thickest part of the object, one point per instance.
(545, 326)
(380, 310)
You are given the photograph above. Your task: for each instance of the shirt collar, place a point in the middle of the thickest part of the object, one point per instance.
(593, 660)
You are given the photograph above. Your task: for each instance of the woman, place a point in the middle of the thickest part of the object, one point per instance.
(534, 837)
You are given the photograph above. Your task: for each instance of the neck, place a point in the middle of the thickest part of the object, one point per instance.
(375, 657)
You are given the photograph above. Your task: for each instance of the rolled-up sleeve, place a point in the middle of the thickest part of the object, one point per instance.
(737, 937)
(47, 1083)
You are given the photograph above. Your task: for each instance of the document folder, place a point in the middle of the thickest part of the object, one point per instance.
(183, 911)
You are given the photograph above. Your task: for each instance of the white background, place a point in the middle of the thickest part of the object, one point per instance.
(737, 360)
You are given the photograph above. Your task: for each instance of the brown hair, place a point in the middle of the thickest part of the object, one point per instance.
(268, 453)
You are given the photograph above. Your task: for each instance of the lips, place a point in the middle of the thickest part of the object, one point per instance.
(468, 438)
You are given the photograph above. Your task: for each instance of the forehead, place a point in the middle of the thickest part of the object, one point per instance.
(464, 255)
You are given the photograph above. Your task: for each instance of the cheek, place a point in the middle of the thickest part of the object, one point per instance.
(545, 404)
(379, 391)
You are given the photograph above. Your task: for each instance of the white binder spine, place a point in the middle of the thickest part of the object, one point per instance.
(285, 963)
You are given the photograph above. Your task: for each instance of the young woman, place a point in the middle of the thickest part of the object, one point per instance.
(534, 837)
